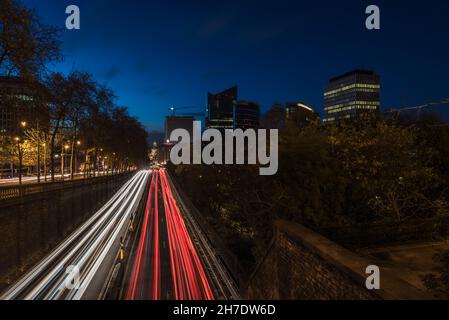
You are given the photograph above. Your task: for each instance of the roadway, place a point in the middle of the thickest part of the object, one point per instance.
(78, 268)
(33, 179)
(172, 258)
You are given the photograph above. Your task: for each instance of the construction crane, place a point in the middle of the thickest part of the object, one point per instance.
(397, 111)
(173, 109)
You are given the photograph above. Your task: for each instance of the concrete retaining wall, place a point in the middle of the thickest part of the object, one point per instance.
(301, 264)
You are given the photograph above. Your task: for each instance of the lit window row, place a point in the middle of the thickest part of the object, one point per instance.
(352, 86)
(352, 103)
(356, 90)
(353, 108)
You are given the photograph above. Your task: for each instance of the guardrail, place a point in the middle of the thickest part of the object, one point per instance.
(20, 191)
(229, 260)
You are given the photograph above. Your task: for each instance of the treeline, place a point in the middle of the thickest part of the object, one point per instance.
(70, 115)
(367, 175)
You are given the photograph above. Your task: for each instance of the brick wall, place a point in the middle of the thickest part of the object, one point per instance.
(303, 265)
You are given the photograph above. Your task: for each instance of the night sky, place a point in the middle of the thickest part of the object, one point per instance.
(158, 53)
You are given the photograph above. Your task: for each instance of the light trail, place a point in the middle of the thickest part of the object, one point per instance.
(156, 292)
(136, 271)
(219, 276)
(186, 278)
(148, 247)
(13, 181)
(91, 249)
(189, 278)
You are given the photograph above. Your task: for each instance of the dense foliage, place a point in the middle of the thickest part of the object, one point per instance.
(438, 282)
(371, 173)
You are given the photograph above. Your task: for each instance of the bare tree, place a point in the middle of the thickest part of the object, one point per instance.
(26, 44)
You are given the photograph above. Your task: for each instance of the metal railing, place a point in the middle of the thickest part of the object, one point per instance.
(20, 191)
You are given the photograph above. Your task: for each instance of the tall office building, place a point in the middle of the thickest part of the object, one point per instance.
(246, 115)
(300, 115)
(15, 105)
(351, 95)
(221, 109)
(178, 122)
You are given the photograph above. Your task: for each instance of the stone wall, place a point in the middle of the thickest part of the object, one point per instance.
(31, 226)
(303, 265)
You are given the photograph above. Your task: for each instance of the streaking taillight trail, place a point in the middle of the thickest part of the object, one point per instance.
(188, 277)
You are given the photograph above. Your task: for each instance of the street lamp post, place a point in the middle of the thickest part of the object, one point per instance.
(19, 150)
(38, 153)
(65, 147)
(102, 163)
(62, 163)
(23, 124)
(74, 164)
(45, 161)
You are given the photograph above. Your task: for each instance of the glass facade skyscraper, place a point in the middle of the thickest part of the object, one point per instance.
(246, 115)
(221, 109)
(348, 96)
(16, 105)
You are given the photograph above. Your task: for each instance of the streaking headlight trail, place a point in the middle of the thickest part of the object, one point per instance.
(91, 250)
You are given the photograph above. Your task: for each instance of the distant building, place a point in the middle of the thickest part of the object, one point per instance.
(178, 122)
(351, 95)
(246, 115)
(274, 118)
(16, 105)
(300, 114)
(153, 152)
(163, 153)
(221, 108)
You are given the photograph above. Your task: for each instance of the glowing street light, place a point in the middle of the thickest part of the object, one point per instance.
(23, 124)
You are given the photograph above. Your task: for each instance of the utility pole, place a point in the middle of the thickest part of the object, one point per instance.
(20, 155)
(38, 152)
(62, 161)
(45, 161)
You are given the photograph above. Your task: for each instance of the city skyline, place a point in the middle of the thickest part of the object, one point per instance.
(176, 56)
(305, 155)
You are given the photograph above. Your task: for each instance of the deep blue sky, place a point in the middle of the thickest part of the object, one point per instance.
(157, 53)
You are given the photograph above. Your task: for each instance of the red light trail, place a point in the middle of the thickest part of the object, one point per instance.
(189, 280)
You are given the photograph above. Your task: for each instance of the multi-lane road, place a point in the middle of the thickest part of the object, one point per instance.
(171, 259)
(166, 264)
(79, 266)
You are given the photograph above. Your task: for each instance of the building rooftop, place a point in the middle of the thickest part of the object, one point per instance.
(300, 105)
(350, 73)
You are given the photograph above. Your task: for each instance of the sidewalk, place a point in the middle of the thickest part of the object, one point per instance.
(29, 180)
(409, 261)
